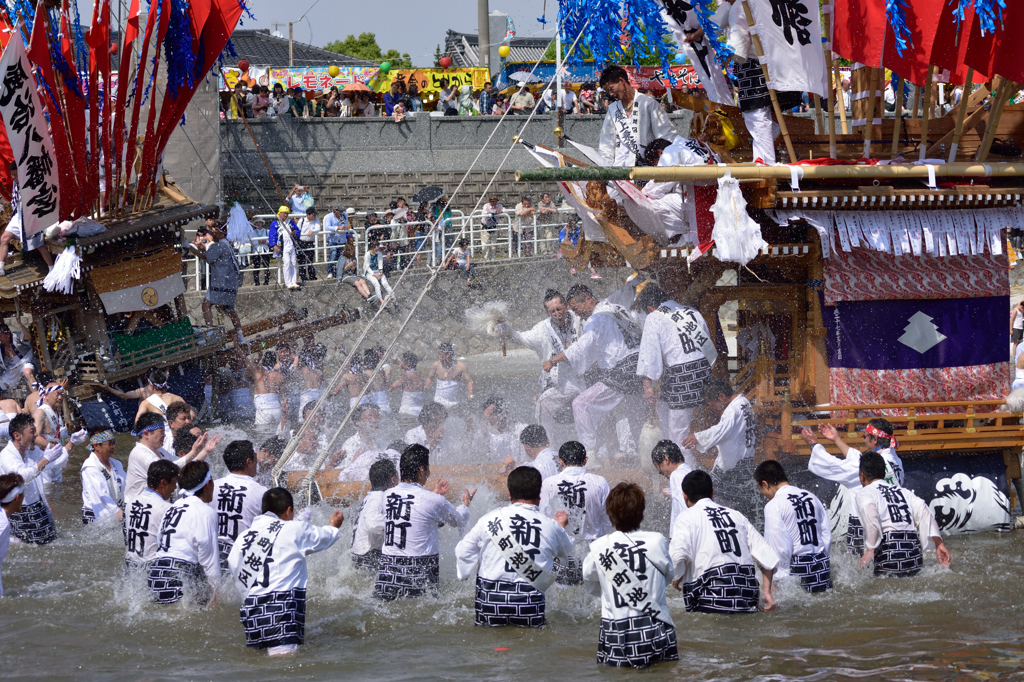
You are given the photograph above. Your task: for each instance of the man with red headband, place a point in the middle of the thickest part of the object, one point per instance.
(844, 468)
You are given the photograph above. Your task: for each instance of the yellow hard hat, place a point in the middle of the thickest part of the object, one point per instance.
(283, 209)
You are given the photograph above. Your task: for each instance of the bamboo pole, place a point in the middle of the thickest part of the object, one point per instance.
(927, 113)
(899, 119)
(917, 100)
(961, 114)
(756, 39)
(840, 98)
(830, 82)
(874, 80)
(752, 172)
(1006, 90)
(817, 113)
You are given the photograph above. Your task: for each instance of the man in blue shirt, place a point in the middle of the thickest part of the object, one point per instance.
(285, 245)
(338, 235)
(487, 99)
(391, 99)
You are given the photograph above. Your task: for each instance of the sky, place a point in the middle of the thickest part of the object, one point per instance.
(412, 26)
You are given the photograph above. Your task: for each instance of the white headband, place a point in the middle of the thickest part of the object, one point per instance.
(193, 491)
(11, 495)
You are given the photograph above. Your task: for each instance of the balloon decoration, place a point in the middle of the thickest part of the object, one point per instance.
(504, 51)
(385, 67)
(333, 71)
(445, 62)
(243, 65)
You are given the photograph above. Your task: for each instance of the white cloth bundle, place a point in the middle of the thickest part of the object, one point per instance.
(66, 270)
(485, 318)
(239, 229)
(737, 237)
(650, 435)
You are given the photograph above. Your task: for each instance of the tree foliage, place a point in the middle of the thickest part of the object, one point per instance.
(437, 56)
(364, 46)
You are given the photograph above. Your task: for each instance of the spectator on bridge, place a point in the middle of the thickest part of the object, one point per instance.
(241, 102)
(284, 239)
(278, 102)
(466, 100)
(260, 252)
(364, 107)
(526, 215)
(567, 99)
(298, 105)
(447, 99)
(522, 102)
(459, 260)
(587, 105)
(300, 199)
(349, 274)
(392, 98)
(499, 106)
(308, 229)
(489, 223)
(487, 99)
(441, 215)
(375, 230)
(547, 218)
(332, 104)
(261, 102)
(373, 270)
(338, 236)
(415, 103)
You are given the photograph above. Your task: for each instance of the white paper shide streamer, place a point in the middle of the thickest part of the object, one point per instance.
(66, 269)
(485, 318)
(737, 237)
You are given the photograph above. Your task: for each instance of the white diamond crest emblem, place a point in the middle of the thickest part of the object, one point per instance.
(921, 334)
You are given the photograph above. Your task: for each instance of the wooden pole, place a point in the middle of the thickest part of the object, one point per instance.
(917, 101)
(926, 114)
(817, 114)
(771, 91)
(899, 120)
(869, 123)
(958, 130)
(1006, 90)
(830, 81)
(840, 98)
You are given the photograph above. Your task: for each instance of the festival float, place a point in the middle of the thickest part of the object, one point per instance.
(874, 279)
(95, 201)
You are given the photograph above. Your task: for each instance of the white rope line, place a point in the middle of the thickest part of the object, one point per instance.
(327, 451)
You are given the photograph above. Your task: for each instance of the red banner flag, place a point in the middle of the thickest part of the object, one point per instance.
(1000, 53)
(857, 30)
(39, 55)
(137, 92)
(149, 144)
(131, 32)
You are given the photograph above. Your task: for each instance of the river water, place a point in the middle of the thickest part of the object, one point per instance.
(69, 613)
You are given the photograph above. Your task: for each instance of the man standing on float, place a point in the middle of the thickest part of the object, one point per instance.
(633, 121)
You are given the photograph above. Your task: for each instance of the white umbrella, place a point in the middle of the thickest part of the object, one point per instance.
(524, 77)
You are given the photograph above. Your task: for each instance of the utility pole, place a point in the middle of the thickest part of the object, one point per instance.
(483, 20)
(291, 60)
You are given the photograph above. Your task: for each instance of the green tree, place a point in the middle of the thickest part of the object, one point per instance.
(437, 56)
(365, 47)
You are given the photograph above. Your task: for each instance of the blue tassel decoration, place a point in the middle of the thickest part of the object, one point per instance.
(989, 13)
(179, 49)
(896, 13)
(723, 53)
(648, 34)
(154, 58)
(81, 49)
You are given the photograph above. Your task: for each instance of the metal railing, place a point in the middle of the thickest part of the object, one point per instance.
(507, 237)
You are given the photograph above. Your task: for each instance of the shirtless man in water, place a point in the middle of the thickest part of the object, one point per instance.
(411, 382)
(271, 407)
(449, 372)
(152, 398)
(378, 390)
(353, 381)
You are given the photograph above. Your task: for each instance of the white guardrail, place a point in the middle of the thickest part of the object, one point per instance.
(508, 238)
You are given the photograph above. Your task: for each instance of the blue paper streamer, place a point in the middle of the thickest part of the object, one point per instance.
(723, 52)
(648, 34)
(179, 49)
(896, 13)
(989, 13)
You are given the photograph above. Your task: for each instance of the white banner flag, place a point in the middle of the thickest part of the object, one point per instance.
(681, 17)
(791, 37)
(22, 112)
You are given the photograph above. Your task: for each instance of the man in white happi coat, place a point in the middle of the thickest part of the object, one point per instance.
(237, 497)
(149, 429)
(633, 120)
(898, 525)
(145, 514)
(844, 469)
(186, 558)
(797, 528)
(714, 550)
(12, 493)
(539, 454)
(676, 349)
(368, 526)
(581, 495)
(561, 385)
(669, 461)
(21, 456)
(409, 563)
(734, 435)
(629, 570)
(606, 353)
(512, 550)
(50, 427)
(268, 564)
(102, 479)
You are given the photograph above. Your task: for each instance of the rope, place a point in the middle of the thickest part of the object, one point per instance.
(327, 451)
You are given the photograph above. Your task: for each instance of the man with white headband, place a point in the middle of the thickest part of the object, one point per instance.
(146, 514)
(21, 456)
(102, 478)
(50, 427)
(149, 429)
(12, 492)
(187, 559)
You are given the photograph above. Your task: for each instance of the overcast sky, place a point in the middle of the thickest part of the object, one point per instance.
(413, 26)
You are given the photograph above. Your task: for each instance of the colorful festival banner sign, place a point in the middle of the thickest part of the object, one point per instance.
(30, 140)
(647, 77)
(306, 77)
(428, 81)
(655, 78)
(896, 335)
